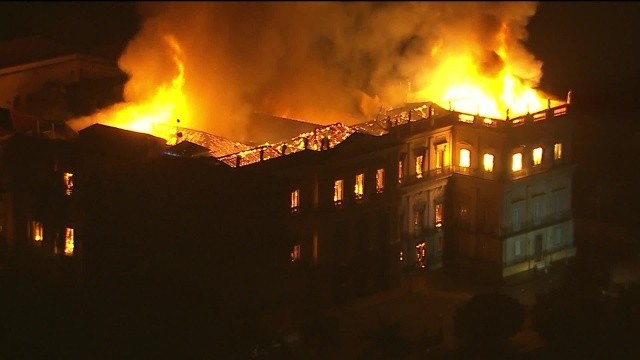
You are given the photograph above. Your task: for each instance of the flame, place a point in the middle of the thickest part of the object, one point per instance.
(459, 82)
(158, 113)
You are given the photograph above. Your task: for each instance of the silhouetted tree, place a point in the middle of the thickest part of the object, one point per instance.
(486, 320)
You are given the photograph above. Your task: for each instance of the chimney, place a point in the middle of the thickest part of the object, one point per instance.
(261, 153)
(238, 159)
(306, 143)
(284, 149)
(569, 97)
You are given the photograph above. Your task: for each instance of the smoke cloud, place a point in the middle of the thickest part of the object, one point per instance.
(322, 62)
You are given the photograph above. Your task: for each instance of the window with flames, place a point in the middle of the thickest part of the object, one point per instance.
(338, 188)
(69, 241)
(296, 253)
(379, 181)
(438, 215)
(295, 200)
(68, 183)
(488, 162)
(359, 187)
(419, 166)
(37, 231)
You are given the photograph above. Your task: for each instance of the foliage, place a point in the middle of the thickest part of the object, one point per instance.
(487, 319)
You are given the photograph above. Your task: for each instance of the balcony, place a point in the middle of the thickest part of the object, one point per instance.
(531, 225)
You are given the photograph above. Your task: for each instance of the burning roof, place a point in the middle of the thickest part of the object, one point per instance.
(322, 138)
(217, 145)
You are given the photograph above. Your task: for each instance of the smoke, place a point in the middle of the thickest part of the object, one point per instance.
(319, 61)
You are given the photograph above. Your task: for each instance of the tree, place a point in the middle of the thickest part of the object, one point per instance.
(487, 320)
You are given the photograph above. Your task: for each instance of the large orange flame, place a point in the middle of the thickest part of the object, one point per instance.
(459, 83)
(159, 113)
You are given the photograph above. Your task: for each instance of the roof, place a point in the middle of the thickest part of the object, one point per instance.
(12, 121)
(119, 142)
(187, 149)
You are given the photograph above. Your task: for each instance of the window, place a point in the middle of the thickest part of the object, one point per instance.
(419, 164)
(36, 231)
(400, 169)
(359, 186)
(557, 236)
(516, 164)
(440, 158)
(421, 254)
(557, 151)
(379, 180)
(295, 200)
(515, 220)
(68, 183)
(438, 215)
(296, 252)
(517, 247)
(337, 191)
(465, 158)
(69, 242)
(439, 244)
(537, 156)
(487, 161)
(537, 211)
(418, 216)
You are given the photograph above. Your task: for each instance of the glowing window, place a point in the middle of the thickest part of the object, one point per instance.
(419, 163)
(358, 189)
(338, 191)
(516, 164)
(487, 161)
(440, 158)
(557, 151)
(537, 156)
(68, 183)
(465, 158)
(400, 170)
(295, 200)
(438, 215)
(296, 252)
(69, 242)
(36, 230)
(379, 180)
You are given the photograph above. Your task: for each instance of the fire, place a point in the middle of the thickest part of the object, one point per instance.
(158, 114)
(460, 82)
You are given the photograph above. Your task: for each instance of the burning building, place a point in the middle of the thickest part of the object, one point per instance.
(471, 168)
(449, 189)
